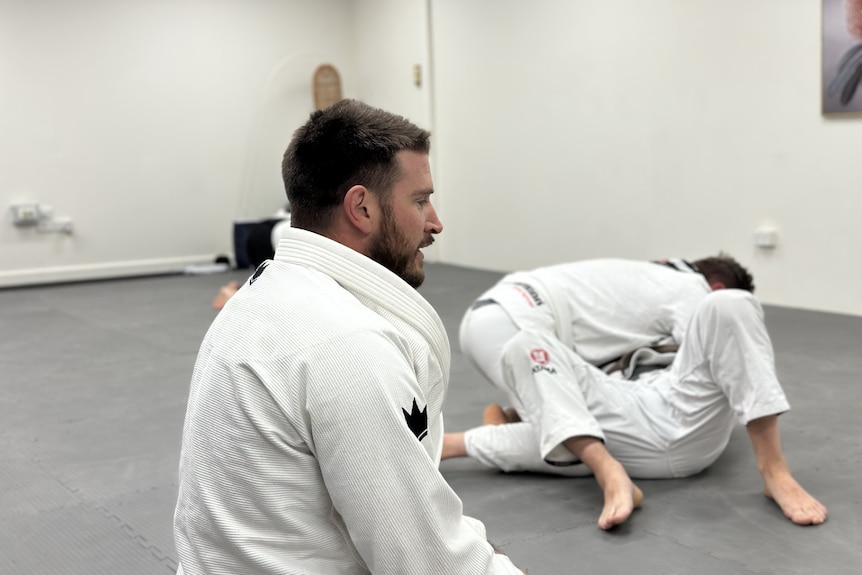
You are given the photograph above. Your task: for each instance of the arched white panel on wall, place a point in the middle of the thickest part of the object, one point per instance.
(286, 100)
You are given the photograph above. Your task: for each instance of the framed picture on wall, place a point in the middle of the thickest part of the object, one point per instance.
(842, 57)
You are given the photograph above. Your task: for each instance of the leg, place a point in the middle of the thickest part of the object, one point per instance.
(779, 484)
(548, 378)
(512, 448)
(621, 495)
(453, 446)
(483, 334)
(495, 414)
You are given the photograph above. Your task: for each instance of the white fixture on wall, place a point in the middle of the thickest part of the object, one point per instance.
(24, 215)
(766, 238)
(32, 215)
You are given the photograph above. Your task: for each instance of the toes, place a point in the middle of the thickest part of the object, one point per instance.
(613, 518)
(814, 515)
(637, 496)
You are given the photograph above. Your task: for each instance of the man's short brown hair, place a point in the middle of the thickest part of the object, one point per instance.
(349, 143)
(723, 268)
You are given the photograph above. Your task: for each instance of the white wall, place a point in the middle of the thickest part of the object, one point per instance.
(563, 129)
(392, 38)
(151, 124)
(570, 129)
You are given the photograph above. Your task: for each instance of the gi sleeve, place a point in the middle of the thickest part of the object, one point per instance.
(387, 493)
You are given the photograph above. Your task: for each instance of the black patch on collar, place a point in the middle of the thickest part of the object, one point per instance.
(257, 272)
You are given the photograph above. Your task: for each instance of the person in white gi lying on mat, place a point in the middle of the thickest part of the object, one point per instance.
(314, 427)
(541, 336)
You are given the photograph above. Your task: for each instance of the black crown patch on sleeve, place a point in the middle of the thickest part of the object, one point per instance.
(417, 420)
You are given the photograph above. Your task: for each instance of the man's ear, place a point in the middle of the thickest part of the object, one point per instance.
(359, 208)
(717, 285)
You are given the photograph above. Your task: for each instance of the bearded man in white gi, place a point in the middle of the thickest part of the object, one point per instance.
(539, 336)
(314, 428)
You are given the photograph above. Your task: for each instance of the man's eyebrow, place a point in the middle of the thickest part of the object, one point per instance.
(424, 192)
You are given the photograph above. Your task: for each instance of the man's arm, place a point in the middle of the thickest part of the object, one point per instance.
(398, 510)
(779, 485)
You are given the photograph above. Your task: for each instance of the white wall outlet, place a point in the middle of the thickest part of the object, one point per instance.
(25, 214)
(64, 226)
(765, 238)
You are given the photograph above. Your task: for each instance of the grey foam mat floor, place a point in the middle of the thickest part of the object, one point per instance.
(93, 384)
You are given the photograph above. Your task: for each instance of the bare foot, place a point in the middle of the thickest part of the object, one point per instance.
(621, 495)
(494, 414)
(796, 503)
(621, 498)
(512, 415)
(225, 293)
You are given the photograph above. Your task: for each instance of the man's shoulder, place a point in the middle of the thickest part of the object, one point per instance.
(296, 303)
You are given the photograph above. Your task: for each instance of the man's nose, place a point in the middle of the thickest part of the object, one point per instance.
(433, 224)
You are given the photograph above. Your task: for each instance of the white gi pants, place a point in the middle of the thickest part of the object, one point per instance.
(670, 423)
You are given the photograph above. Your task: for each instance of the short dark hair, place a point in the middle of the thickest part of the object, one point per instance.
(723, 268)
(349, 143)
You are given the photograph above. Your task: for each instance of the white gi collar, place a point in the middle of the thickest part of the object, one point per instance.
(363, 276)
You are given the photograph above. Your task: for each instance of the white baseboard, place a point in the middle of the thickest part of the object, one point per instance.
(99, 271)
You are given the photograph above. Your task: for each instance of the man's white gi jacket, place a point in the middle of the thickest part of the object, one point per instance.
(603, 308)
(314, 428)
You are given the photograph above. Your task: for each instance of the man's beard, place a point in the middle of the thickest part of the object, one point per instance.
(390, 250)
